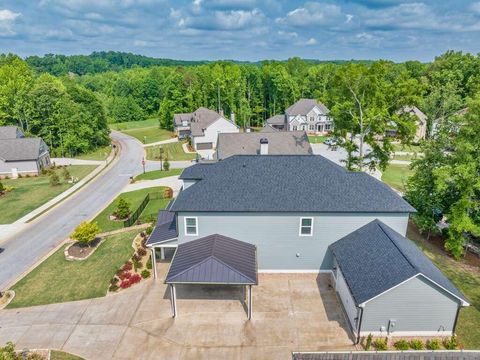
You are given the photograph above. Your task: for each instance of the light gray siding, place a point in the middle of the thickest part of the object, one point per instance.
(417, 305)
(279, 246)
(23, 167)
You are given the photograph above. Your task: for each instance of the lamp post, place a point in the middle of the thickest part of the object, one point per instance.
(161, 157)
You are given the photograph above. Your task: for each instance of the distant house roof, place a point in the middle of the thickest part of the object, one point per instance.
(165, 229)
(198, 120)
(279, 142)
(375, 258)
(269, 128)
(10, 132)
(303, 107)
(276, 120)
(22, 149)
(414, 111)
(279, 183)
(390, 355)
(214, 259)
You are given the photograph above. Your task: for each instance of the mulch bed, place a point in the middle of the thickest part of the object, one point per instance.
(81, 251)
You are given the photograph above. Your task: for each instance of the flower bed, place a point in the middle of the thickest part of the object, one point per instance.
(136, 269)
(78, 251)
(415, 343)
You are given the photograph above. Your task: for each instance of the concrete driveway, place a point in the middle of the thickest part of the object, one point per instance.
(291, 312)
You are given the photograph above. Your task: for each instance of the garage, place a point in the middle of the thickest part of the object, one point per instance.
(388, 287)
(204, 146)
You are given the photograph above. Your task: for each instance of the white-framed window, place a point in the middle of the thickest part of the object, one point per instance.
(312, 118)
(306, 226)
(327, 127)
(191, 226)
(312, 127)
(294, 128)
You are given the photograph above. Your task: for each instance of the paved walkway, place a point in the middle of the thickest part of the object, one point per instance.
(172, 140)
(171, 181)
(291, 312)
(151, 165)
(70, 161)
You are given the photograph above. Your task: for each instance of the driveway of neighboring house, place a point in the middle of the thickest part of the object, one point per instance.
(172, 181)
(291, 312)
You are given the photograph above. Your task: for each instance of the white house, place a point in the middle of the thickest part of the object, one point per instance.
(306, 114)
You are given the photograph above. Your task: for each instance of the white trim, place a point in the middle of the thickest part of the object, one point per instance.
(185, 225)
(162, 242)
(294, 271)
(300, 226)
(406, 333)
(376, 296)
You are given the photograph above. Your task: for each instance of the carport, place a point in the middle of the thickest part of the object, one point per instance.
(214, 260)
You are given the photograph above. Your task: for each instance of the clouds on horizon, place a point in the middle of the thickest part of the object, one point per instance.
(242, 29)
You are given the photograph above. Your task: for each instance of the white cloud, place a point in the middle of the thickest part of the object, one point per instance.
(7, 19)
(312, 14)
(140, 43)
(311, 41)
(286, 34)
(476, 7)
(221, 20)
(349, 18)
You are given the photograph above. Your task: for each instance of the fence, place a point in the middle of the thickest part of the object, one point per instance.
(151, 196)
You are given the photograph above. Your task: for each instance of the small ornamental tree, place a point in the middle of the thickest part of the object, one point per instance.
(54, 179)
(85, 233)
(2, 188)
(66, 174)
(123, 209)
(166, 164)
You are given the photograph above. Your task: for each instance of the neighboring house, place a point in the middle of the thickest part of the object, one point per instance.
(307, 115)
(20, 155)
(264, 143)
(436, 123)
(203, 126)
(306, 214)
(420, 122)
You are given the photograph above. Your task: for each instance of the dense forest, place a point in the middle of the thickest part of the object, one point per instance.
(69, 101)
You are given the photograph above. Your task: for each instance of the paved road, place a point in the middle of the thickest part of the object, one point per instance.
(46, 232)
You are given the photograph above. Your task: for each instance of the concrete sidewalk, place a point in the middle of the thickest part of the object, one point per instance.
(171, 181)
(169, 141)
(151, 165)
(70, 161)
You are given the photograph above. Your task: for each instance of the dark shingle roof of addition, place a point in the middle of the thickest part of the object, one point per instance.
(284, 183)
(276, 120)
(375, 258)
(214, 259)
(165, 229)
(10, 132)
(280, 142)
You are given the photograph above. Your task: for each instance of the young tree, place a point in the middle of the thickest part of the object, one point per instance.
(166, 164)
(54, 179)
(123, 209)
(66, 174)
(85, 233)
(2, 188)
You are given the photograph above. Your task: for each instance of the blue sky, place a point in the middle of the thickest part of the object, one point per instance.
(242, 29)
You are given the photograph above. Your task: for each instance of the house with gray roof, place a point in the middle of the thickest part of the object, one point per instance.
(263, 143)
(20, 155)
(420, 123)
(306, 214)
(307, 115)
(203, 126)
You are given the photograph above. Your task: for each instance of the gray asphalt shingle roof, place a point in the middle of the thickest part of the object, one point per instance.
(276, 120)
(214, 259)
(198, 120)
(21, 149)
(269, 128)
(10, 132)
(165, 229)
(375, 258)
(284, 183)
(390, 355)
(303, 107)
(280, 142)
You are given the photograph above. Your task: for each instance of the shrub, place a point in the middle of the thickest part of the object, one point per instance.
(119, 272)
(135, 279)
(125, 276)
(144, 243)
(113, 288)
(8, 352)
(416, 344)
(2, 188)
(145, 274)
(433, 344)
(136, 258)
(127, 266)
(149, 230)
(85, 233)
(123, 209)
(168, 193)
(125, 284)
(66, 174)
(20, 176)
(368, 342)
(149, 264)
(141, 252)
(54, 179)
(380, 344)
(401, 345)
(451, 343)
(114, 281)
(137, 265)
(166, 164)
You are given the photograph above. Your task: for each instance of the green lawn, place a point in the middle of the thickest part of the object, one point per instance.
(406, 148)
(406, 157)
(158, 174)
(173, 151)
(135, 198)
(466, 279)
(58, 280)
(396, 176)
(30, 193)
(146, 131)
(134, 124)
(100, 154)
(317, 139)
(60, 355)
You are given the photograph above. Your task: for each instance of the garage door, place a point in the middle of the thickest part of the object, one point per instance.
(346, 298)
(205, 146)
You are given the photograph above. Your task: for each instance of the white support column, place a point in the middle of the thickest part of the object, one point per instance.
(173, 298)
(154, 263)
(162, 253)
(249, 314)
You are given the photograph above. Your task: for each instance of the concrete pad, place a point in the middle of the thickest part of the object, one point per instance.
(45, 336)
(207, 353)
(19, 317)
(63, 313)
(12, 333)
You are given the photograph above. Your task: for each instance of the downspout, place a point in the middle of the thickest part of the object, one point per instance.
(456, 319)
(359, 326)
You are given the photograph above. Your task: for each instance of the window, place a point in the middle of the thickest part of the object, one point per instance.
(312, 127)
(294, 128)
(327, 127)
(306, 227)
(312, 118)
(191, 228)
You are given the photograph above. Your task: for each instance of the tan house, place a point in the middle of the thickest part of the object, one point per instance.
(421, 123)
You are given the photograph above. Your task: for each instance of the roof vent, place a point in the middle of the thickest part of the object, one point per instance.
(263, 146)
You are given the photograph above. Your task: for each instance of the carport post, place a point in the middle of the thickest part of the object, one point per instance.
(249, 314)
(154, 263)
(162, 253)
(173, 298)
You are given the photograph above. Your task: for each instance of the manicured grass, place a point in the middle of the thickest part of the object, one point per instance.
(134, 124)
(467, 279)
(317, 139)
(173, 151)
(100, 154)
(146, 131)
(158, 174)
(396, 176)
(135, 198)
(406, 148)
(406, 157)
(58, 280)
(60, 355)
(32, 192)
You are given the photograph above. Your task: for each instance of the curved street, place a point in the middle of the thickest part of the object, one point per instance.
(47, 231)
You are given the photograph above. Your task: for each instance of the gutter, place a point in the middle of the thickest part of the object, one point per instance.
(359, 325)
